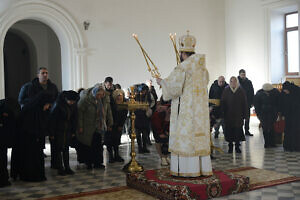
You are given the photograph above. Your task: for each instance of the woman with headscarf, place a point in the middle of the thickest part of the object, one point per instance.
(91, 124)
(290, 108)
(63, 121)
(266, 108)
(113, 138)
(234, 108)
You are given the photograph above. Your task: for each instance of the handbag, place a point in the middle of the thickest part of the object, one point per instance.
(279, 125)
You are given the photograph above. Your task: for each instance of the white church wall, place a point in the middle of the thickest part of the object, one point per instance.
(113, 51)
(244, 29)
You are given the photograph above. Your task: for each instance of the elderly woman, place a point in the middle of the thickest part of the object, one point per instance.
(91, 124)
(234, 109)
(266, 108)
(113, 138)
(63, 121)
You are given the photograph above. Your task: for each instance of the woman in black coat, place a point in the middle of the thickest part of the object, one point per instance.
(234, 109)
(63, 121)
(290, 108)
(266, 108)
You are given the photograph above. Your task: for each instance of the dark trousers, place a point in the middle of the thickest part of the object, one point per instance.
(142, 136)
(63, 159)
(54, 153)
(268, 130)
(3, 165)
(247, 121)
(269, 138)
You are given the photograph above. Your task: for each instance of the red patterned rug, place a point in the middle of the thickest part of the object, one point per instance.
(160, 184)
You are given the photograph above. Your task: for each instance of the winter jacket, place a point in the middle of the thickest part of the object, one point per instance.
(246, 84)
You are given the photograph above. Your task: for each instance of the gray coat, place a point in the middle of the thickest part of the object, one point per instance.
(90, 117)
(106, 101)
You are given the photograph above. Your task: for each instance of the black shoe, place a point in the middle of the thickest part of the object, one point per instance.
(69, 171)
(230, 150)
(100, 166)
(61, 172)
(248, 133)
(145, 150)
(119, 159)
(6, 183)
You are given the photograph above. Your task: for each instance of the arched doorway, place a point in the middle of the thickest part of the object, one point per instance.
(42, 50)
(73, 51)
(16, 64)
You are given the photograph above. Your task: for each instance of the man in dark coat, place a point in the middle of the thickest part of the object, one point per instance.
(63, 121)
(31, 89)
(142, 119)
(7, 130)
(215, 92)
(290, 108)
(234, 108)
(154, 98)
(266, 108)
(246, 84)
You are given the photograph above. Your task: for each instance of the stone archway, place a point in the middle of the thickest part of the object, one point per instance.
(73, 48)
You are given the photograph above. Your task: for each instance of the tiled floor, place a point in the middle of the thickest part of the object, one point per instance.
(253, 154)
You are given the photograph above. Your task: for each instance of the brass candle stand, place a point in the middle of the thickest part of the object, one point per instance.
(131, 106)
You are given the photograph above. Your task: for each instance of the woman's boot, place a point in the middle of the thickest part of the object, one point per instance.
(230, 145)
(237, 147)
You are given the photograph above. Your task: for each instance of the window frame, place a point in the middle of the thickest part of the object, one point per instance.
(286, 30)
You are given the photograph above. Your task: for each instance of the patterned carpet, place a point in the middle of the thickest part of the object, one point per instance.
(258, 178)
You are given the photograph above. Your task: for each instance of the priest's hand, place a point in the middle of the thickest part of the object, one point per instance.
(158, 80)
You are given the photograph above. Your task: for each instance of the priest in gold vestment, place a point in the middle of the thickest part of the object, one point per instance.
(186, 86)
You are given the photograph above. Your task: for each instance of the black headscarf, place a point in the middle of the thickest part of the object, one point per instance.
(71, 95)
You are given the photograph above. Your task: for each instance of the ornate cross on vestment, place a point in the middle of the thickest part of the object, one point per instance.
(197, 90)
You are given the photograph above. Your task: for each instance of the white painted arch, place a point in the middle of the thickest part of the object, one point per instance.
(73, 47)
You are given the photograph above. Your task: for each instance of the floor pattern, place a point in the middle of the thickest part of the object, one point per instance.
(253, 154)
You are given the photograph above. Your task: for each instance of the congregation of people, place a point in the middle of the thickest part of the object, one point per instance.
(276, 110)
(85, 120)
(89, 118)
